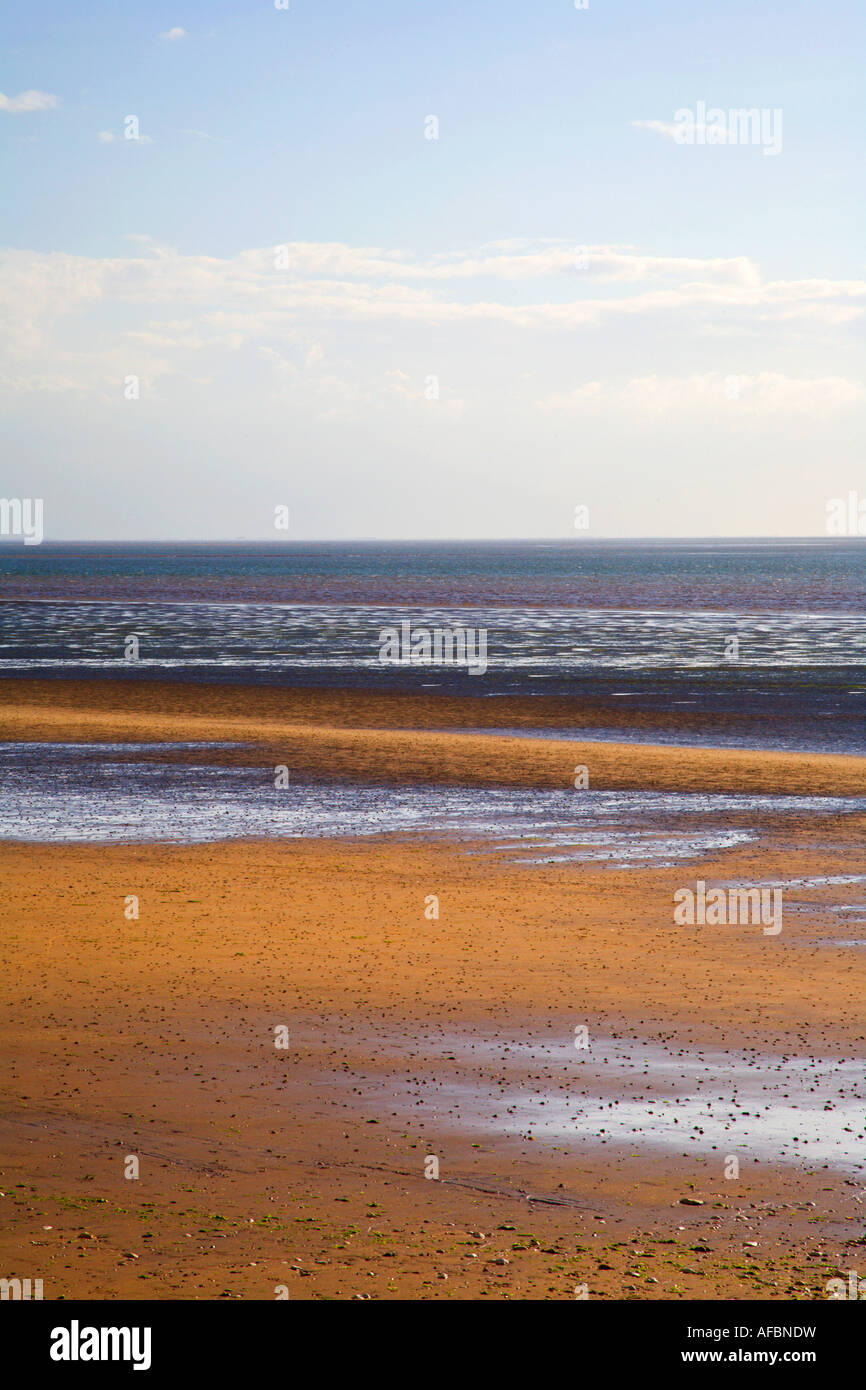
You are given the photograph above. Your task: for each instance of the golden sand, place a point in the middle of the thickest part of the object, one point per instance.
(262, 1168)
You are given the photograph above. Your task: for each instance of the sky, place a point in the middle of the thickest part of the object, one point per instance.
(409, 270)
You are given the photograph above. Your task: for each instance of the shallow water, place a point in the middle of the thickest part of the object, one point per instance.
(621, 1092)
(799, 679)
(832, 942)
(50, 634)
(804, 740)
(108, 793)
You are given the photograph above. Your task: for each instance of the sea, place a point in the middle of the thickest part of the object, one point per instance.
(769, 635)
(732, 643)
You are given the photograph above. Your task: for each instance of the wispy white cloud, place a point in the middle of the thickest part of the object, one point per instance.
(700, 133)
(511, 261)
(665, 128)
(764, 392)
(174, 307)
(28, 101)
(108, 137)
(174, 34)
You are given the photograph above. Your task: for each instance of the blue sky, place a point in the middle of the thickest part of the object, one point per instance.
(152, 259)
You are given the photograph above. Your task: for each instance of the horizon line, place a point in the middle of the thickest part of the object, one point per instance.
(18, 542)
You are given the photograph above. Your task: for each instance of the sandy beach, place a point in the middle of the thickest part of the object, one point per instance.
(302, 1168)
(432, 678)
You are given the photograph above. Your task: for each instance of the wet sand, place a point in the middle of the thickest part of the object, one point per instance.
(263, 1168)
(354, 737)
(304, 1167)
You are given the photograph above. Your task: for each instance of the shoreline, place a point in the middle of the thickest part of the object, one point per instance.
(350, 736)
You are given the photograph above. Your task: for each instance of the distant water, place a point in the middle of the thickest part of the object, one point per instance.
(642, 626)
(804, 576)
